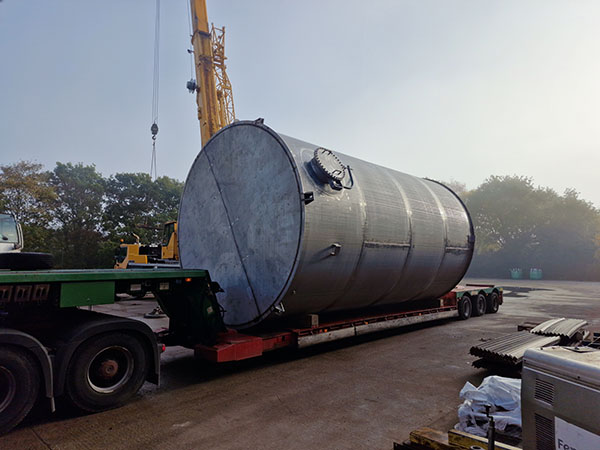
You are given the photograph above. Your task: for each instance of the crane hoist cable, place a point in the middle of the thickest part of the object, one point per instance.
(155, 90)
(191, 50)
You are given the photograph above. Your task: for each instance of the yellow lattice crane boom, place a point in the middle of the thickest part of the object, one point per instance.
(213, 89)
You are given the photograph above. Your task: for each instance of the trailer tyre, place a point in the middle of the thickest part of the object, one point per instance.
(479, 305)
(106, 371)
(19, 386)
(465, 307)
(493, 303)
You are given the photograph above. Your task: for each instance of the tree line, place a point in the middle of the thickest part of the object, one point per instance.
(521, 225)
(80, 216)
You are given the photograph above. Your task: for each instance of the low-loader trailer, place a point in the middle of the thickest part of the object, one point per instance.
(53, 344)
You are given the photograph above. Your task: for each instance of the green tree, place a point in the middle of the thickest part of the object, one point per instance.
(26, 192)
(80, 190)
(167, 195)
(568, 246)
(505, 213)
(78, 214)
(520, 225)
(136, 204)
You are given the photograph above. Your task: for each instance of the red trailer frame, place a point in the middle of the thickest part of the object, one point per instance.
(235, 346)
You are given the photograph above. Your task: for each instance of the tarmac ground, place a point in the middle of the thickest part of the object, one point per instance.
(361, 393)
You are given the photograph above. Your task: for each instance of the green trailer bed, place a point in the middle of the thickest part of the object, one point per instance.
(50, 276)
(68, 288)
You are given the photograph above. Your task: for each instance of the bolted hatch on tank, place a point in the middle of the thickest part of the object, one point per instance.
(289, 228)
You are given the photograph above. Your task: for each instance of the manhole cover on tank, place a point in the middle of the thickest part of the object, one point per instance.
(328, 166)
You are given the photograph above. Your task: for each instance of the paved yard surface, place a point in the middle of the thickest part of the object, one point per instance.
(362, 393)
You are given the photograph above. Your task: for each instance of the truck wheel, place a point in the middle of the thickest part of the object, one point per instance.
(479, 305)
(464, 307)
(493, 303)
(19, 386)
(106, 371)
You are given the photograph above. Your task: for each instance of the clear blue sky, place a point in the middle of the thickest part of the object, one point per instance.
(444, 89)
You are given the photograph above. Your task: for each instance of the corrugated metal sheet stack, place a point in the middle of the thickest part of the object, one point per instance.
(508, 350)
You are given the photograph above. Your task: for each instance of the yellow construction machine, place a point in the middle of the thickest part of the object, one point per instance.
(138, 255)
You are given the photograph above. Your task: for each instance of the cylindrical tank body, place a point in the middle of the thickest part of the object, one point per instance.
(287, 227)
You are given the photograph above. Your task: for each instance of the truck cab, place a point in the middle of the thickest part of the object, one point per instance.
(11, 235)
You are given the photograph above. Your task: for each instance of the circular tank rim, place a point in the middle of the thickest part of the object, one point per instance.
(471, 228)
(292, 274)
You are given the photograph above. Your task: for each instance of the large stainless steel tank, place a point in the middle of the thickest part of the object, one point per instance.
(288, 227)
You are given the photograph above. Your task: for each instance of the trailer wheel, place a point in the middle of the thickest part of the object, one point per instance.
(479, 305)
(493, 303)
(106, 371)
(19, 386)
(465, 307)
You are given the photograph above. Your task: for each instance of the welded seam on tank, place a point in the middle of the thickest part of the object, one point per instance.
(451, 247)
(471, 242)
(288, 282)
(352, 278)
(408, 209)
(237, 247)
(445, 222)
